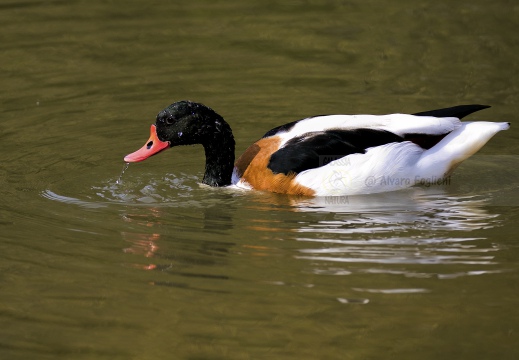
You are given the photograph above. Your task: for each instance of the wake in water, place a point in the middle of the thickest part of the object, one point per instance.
(143, 190)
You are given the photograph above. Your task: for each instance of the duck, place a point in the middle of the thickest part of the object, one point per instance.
(327, 155)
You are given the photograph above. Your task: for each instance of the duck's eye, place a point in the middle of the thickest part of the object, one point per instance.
(170, 121)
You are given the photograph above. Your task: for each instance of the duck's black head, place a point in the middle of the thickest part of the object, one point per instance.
(187, 123)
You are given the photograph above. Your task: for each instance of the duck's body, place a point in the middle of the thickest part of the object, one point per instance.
(327, 155)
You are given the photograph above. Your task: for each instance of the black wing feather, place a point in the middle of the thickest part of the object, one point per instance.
(314, 150)
(459, 111)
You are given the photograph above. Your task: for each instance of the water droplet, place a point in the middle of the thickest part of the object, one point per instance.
(119, 180)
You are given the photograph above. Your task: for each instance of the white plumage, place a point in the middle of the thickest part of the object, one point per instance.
(400, 165)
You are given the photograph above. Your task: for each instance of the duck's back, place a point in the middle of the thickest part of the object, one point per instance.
(352, 154)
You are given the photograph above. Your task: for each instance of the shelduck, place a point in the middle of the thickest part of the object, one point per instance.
(329, 154)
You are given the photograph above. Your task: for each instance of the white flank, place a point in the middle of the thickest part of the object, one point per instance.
(381, 168)
(399, 165)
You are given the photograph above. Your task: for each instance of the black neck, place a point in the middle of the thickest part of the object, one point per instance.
(219, 158)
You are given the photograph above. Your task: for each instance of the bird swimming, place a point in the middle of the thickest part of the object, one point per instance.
(326, 154)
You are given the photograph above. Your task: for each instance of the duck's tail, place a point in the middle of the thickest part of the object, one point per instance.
(440, 160)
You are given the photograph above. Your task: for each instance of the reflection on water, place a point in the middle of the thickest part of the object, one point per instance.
(144, 244)
(386, 233)
(366, 234)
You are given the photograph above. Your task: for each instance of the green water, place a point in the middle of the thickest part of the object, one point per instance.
(159, 267)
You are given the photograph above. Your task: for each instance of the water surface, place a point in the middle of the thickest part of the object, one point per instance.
(158, 266)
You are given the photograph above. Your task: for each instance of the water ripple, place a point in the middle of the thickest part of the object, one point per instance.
(170, 190)
(391, 233)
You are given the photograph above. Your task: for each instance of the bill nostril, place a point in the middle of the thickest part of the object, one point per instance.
(149, 145)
